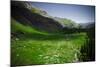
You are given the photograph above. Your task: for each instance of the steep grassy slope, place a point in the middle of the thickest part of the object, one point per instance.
(17, 27)
(27, 17)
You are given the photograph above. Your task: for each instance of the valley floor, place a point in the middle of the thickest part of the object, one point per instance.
(48, 49)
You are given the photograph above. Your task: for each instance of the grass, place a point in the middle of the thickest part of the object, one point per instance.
(18, 27)
(28, 51)
(34, 47)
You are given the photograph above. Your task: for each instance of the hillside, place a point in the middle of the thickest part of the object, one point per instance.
(26, 14)
(67, 22)
(27, 17)
(38, 38)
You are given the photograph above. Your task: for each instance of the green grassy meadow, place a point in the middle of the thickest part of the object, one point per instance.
(34, 47)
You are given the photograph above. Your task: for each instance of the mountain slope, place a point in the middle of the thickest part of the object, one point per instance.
(67, 22)
(23, 29)
(27, 17)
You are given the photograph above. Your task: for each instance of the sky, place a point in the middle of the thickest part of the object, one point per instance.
(77, 13)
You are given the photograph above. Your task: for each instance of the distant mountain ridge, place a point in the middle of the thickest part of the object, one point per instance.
(87, 25)
(67, 22)
(26, 14)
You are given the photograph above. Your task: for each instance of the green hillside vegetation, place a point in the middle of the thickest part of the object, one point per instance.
(18, 27)
(39, 39)
(35, 47)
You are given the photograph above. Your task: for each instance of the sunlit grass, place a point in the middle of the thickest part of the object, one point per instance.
(35, 47)
(18, 27)
(47, 51)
